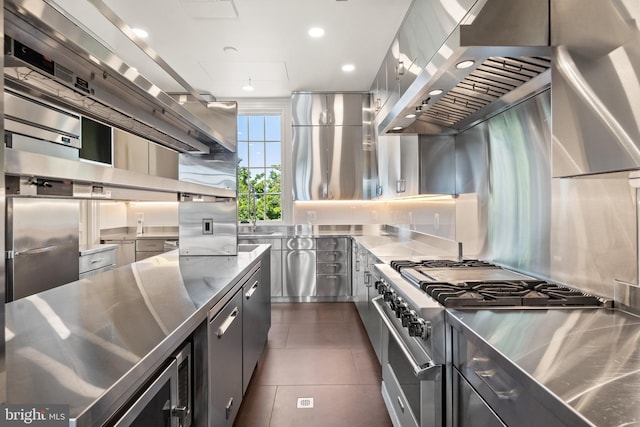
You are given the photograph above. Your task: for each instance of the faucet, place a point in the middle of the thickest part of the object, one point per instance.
(252, 210)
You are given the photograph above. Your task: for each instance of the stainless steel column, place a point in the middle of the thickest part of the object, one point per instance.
(3, 385)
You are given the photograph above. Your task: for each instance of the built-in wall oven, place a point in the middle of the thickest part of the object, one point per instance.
(167, 400)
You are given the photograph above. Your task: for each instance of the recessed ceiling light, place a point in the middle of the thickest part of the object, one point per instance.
(410, 116)
(316, 32)
(465, 64)
(435, 92)
(397, 128)
(348, 67)
(229, 49)
(139, 32)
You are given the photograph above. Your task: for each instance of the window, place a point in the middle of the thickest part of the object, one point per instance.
(260, 166)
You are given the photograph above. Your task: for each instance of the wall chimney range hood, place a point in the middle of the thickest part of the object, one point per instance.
(49, 57)
(497, 56)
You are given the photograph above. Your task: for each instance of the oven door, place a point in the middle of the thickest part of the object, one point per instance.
(412, 384)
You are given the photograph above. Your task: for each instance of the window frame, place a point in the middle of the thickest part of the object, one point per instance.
(281, 107)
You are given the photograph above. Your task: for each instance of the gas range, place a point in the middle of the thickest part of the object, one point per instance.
(477, 284)
(418, 292)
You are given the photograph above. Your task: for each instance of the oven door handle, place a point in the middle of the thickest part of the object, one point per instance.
(427, 372)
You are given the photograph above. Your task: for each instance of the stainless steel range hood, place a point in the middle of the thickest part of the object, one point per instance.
(48, 56)
(506, 46)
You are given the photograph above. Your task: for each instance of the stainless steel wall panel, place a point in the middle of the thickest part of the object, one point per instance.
(216, 170)
(437, 165)
(163, 161)
(596, 101)
(581, 232)
(519, 186)
(223, 238)
(131, 152)
(594, 232)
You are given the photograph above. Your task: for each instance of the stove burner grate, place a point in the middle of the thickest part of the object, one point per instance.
(440, 263)
(528, 293)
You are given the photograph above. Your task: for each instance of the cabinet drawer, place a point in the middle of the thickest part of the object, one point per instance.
(332, 244)
(498, 385)
(331, 268)
(330, 285)
(97, 260)
(332, 256)
(150, 245)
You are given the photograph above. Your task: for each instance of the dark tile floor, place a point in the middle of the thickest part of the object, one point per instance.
(317, 350)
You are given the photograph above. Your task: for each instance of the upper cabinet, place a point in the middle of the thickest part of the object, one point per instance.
(595, 102)
(332, 109)
(423, 31)
(332, 145)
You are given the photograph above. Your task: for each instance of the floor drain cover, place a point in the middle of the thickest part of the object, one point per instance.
(305, 403)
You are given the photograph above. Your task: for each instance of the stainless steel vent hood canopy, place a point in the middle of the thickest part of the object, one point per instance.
(505, 47)
(67, 66)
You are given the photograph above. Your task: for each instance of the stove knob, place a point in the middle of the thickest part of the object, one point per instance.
(389, 295)
(420, 328)
(382, 288)
(407, 317)
(378, 284)
(401, 308)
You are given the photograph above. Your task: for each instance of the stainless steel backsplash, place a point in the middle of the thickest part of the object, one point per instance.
(581, 232)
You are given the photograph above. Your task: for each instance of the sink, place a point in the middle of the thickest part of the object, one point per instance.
(247, 247)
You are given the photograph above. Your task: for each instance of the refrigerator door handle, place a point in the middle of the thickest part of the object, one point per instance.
(37, 250)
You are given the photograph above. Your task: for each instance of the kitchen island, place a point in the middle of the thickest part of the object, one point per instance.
(94, 343)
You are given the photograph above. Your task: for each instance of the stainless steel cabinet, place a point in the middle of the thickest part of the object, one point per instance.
(225, 363)
(125, 251)
(327, 162)
(276, 260)
(98, 262)
(332, 267)
(327, 145)
(364, 290)
(256, 320)
(469, 408)
(334, 109)
(299, 267)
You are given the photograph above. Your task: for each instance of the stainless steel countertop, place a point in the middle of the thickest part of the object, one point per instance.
(588, 358)
(390, 247)
(92, 249)
(93, 342)
(134, 236)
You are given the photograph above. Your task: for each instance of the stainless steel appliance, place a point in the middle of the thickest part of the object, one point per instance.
(413, 346)
(36, 126)
(412, 301)
(42, 244)
(167, 400)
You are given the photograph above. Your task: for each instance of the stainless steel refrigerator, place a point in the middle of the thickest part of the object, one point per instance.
(42, 244)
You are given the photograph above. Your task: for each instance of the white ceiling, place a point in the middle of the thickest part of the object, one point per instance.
(273, 47)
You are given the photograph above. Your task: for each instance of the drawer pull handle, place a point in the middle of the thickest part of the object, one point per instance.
(95, 261)
(400, 404)
(252, 290)
(487, 376)
(227, 322)
(228, 408)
